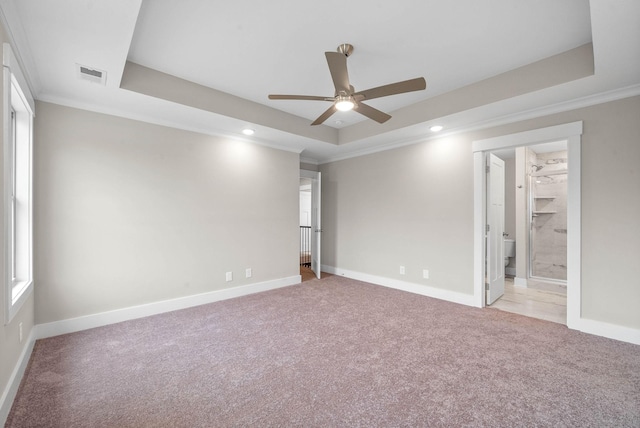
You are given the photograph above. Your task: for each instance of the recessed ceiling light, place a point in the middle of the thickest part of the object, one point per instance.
(436, 128)
(248, 131)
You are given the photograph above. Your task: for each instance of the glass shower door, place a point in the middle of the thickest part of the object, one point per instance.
(548, 239)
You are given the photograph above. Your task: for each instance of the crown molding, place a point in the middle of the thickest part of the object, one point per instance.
(162, 122)
(18, 41)
(582, 102)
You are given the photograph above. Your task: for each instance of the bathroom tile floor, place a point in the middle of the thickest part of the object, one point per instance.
(530, 302)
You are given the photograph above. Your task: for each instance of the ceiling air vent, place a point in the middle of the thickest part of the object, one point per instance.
(91, 74)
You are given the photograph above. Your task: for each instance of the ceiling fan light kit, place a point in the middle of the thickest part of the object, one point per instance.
(346, 98)
(344, 103)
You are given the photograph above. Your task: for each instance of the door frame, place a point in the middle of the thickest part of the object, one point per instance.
(316, 223)
(572, 133)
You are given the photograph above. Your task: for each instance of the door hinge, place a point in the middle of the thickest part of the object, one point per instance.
(488, 169)
(488, 227)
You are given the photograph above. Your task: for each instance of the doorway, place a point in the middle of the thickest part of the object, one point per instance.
(571, 133)
(535, 253)
(310, 225)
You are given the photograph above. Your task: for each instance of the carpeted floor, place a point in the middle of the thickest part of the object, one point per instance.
(330, 353)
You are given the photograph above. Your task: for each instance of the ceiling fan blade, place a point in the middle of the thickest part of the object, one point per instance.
(338, 69)
(300, 97)
(324, 116)
(372, 113)
(393, 89)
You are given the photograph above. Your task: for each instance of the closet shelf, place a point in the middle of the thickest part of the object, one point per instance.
(545, 212)
(544, 197)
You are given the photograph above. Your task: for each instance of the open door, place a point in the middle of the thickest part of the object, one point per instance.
(495, 228)
(316, 226)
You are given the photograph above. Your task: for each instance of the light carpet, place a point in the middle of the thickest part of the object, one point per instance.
(330, 353)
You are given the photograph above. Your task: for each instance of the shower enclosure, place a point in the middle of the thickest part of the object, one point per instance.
(548, 214)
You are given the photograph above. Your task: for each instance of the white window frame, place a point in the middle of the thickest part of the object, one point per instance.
(18, 112)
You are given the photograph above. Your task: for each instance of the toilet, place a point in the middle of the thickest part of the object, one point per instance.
(509, 250)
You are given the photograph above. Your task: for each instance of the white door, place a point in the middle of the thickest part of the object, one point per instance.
(316, 227)
(495, 228)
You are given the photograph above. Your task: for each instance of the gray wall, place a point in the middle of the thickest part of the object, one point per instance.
(129, 213)
(411, 206)
(308, 166)
(414, 206)
(10, 346)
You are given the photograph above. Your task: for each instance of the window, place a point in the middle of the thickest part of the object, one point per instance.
(17, 144)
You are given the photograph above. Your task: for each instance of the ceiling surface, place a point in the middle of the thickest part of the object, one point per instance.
(209, 66)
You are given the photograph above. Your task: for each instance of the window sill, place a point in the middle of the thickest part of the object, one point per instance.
(26, 288)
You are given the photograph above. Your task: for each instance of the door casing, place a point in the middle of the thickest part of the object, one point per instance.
(571, 132)
(316, 224)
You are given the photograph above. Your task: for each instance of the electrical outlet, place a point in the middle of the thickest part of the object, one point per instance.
(402, 271)
(20, 331)
(425, 273)
(248, 273)
(229, 276)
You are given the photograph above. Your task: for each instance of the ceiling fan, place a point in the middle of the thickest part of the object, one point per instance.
(346, 98)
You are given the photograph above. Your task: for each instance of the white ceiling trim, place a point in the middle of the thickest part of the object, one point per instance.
(155, 120)
(17, 37)
(613, 95)
(588, 101)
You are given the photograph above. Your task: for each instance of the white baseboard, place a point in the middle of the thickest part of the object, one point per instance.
(424, 290)
(57, 328)
(611, 331)
(9, 393)
(598, 328)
